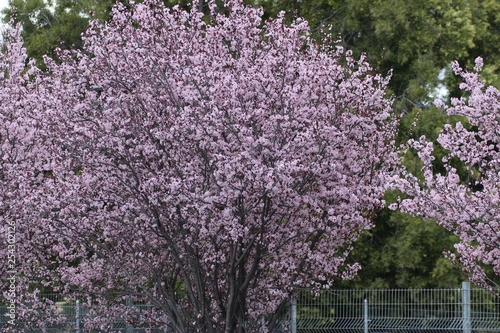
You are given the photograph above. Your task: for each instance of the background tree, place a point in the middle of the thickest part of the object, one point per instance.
(468, 206)
(402, 251)
(48, 25)
(206, 169)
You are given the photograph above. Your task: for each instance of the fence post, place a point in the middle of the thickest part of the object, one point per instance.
(293, 313)
(77, 316)
(466, 312)
(128, 328)
(365, 315)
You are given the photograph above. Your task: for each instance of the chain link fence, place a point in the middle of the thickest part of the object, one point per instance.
(464, 310)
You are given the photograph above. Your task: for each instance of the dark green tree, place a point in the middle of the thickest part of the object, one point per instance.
(48, 25)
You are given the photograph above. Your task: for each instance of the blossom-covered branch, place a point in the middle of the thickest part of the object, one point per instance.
(470, 206)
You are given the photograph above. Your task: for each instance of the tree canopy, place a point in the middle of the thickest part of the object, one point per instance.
(206, 168)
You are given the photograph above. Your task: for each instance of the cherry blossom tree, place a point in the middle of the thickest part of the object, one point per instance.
(470, 206)
(205, 166)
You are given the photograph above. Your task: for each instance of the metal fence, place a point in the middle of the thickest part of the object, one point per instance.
(71, 317)
(465, 310)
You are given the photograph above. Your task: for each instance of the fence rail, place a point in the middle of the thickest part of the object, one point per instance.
(465, 310)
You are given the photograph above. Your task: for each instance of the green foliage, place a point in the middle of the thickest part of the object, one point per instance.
(48, 25)
(404, 252)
